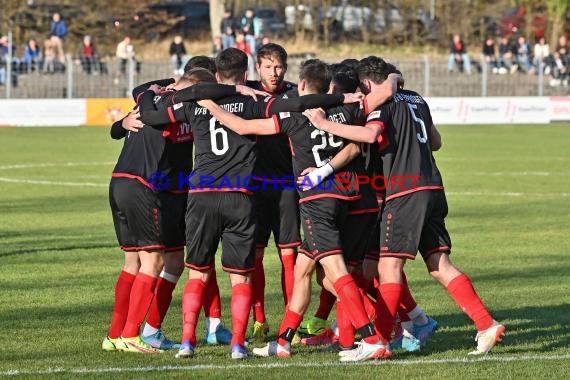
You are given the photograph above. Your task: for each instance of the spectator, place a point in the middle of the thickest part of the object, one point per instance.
(458, 55)
(4, 51)
(177, 55)
(49, 56)
(490, 55)
(523, 55)
(541, 53)
(217, 46)
(250, 29)
(88, 56)
(228, 29)
(57, 33)
(506, 56)
(264, 41)
(557, 63)
(32, 56)
(241, 43)
(125, 53)
(559, 69)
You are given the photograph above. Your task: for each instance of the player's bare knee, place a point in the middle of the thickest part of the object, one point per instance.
(174, 263)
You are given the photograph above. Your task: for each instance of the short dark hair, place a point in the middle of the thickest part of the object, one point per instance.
(231, 64)
(375, 69)
(201, 61)
(316, 74)
(351, 62)
(344, 77)
(197, 75)
(272, 50)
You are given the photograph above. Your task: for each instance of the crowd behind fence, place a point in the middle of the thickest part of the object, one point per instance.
(112, 79)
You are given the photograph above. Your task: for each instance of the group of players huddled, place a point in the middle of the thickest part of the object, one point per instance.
(213, 156)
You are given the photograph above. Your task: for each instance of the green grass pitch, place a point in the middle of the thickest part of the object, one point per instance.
(509, 195)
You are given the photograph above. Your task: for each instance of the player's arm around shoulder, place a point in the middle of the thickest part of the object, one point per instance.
(382, 93)
(368, 134)
(240, 125)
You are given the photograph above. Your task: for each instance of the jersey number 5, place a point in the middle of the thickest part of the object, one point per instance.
(422, 137)
(214, 140)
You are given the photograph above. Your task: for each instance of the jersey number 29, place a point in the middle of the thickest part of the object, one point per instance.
(326, 139)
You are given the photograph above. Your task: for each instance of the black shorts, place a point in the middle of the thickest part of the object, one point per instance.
(136, 215)
(229, 216)
(278, 212)
(373, 250)
(323, 220)
(358, 232)
(173, 207)
(415, 222)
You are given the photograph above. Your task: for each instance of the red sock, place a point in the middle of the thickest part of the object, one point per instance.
(191, 304)
(348, 294)
(362, 283)
(289, 325)
(258, 284)
(462, 291)
(326, 303)
(240, 307)
(387, 305)
(121, 306)
(408, 303)
(211, 300)
(142, 294)
(403, 315)
(345, 328)
(161, 302)
(287, 276)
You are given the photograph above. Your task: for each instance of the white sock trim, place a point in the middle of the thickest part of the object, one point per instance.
(212, 324)
(149, 330)
(418, 316)
(169, 277)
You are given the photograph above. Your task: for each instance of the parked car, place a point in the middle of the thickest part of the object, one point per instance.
(349, 20)
(269, 22)
(195, 15)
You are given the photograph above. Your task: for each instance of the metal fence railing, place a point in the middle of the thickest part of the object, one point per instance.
(112, 78)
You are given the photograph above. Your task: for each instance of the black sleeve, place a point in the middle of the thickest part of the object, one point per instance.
(150, 115)
(204, 91)
(137, 91)
(117, 130)
(302, 103)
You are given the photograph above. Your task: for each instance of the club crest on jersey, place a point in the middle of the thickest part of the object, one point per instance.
(373, 115)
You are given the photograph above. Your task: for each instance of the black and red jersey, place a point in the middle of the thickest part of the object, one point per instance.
(157, 157)
(274, 162)
(404, 147)
(224, 160)
(312, 147)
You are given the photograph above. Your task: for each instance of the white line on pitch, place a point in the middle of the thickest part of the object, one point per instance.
(463, 360)
(505, 194)
(53, 183)
(50, 165)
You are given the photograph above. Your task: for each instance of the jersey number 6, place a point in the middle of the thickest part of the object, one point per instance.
(214, 132)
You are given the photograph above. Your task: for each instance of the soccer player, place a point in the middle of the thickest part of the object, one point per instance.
(219, 203)
(323, 212)
(155, 217)
(277, 210)
(413, 217)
